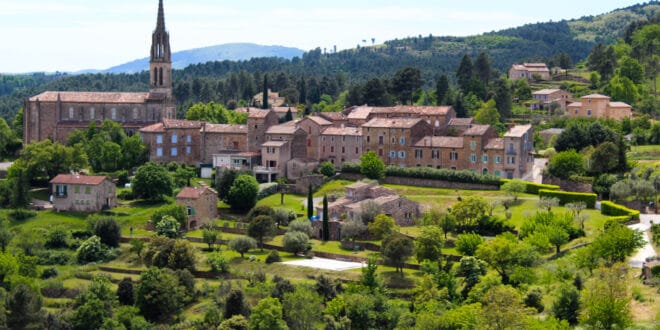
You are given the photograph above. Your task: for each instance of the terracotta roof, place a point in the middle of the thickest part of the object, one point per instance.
(286, 128)
(194, 192)
(546, 91)
(352, 131)
(535, 64)
(392, 122)
(595, 96)
(517, 131)
(285, 109)
(154, 128)
(619, 105)
(385, 199)
(78, 179)
(461, 121)
(91, 97)
(419, 110)
(274, 143)
(226, 128)
(362, 112)
(575, 104)
(332, 116)
(254, 112)
(477, 130)
(178, 123)
(440, 142)
(359, 184)
(533, 67)
(319, 120)
(497, 143)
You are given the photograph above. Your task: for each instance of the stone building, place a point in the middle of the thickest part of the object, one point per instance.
(436, 116)
(529, 71)
(173, 140)
(313, 126)
(393, 139)
(82, 193)
(599, 106)
(475, 139)
(440, 152)
(544, 97)
(201, 205)
(222, 139)
(258, 122)
(519, 151)
(54, 114)
(341, 144)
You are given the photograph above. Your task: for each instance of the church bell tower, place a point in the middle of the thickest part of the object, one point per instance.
(160, 65)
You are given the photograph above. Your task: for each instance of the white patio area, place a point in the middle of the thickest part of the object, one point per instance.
(322, 263)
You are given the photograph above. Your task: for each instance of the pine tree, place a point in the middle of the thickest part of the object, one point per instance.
(326, 224)
(464, 72)
(264, 103)
(441, 88)
(310, 202)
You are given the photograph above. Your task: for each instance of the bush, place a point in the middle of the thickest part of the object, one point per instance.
(22, 214)
(444, 174)
(570, 197)
(126, 195)
(91, 250)
(327, 169)
(467, 244)
(218, 263)
(532, 187)
(48, 273)
(58, 237)
(243, 192)
(50, 257)
(273, 256)
(108, 230)
(267, 189)
(611, 208)
(350, 167)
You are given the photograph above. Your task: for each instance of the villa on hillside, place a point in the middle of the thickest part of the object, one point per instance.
(83, 193)
(528, 71)
(543, 98)
(201, 205)
(599, 106)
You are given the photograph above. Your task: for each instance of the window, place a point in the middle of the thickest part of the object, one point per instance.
(188, 139)
(380, 140)
(76, 189)
(498, 159)
(368, 138)
(92, 113)
(511, 160)
(589, 112)
(473, 158)
(343, 150)
(88, 190)
(418, 153)
(497, 173)
(159, 152)
(437, 123)
(71, 113)
(332, 149)
(392, 154)
(159, 139)
(453, 155)
(402, 154)
(380, 152)
(190, 210)
(323, 149)
(473, 145)
(402, 141)
(576, 111)
(113, 113)
(135, 113)
(188, 150)
(173, 152)
(356, 150)
(309, 142)
(175, 139)
(484, 159)
(435, 154)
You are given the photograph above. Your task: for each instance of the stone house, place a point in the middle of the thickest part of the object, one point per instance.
(282, 111)
(274, 156)
(82, 193)
(528, 71)
(313, 126)
(436, 116)
(338, 119)
(393, 138)
(599, 106)
(359, 115)
(543, 98)
(341, 144)
(173, 140)
(201, 205)
(492, 157)
(258, 122)
(222, 138)
(457, 126)
(475, 139)
(440, 152)
(299, 167)
(518, 151)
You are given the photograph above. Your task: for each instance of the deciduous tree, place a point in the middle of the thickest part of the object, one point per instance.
(243, 192)
(396, 249)
(152, 181)
(372, 166)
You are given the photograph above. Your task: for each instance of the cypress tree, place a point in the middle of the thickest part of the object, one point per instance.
(482, 68)
(289, 115)
(441, 88)
(464, 72)
(310, 202)
(326, 224)
(264, 103)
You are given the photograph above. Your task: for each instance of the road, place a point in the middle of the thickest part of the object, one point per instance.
(647, 251)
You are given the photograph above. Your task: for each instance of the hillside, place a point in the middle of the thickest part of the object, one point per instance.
(230, 52)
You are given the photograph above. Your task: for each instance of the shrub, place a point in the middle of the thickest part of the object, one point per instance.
(611, 208)
(58, 237)
(467, 244)
(350, 167)
(464, 176)
(267, 189)
(327, 169)
(48, 273)
(126, 195)
(218, 263)
(533, 187)
(22, 214)
(295, 242)
(91, 250)
(50, 257)
(570, 197)
(273, 256)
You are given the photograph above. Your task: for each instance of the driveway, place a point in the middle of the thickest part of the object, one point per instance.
(647, 251)
(537, 171)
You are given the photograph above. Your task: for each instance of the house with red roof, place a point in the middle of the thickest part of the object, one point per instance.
(83, 193)
(201, 205)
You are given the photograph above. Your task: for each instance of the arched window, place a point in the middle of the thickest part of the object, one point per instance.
(155, 76)
(160, 76)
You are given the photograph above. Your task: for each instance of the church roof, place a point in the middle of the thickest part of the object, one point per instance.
(91, 97)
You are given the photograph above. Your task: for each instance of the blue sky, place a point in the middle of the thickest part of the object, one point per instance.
(71, 35)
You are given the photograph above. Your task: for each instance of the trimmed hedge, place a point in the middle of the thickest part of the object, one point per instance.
(570, 197)
(444, 174)
(611, 208)
(533, 187)
(266, 189)
(350, 167)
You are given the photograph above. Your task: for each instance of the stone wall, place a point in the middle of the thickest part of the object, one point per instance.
(568, 185)
(423, 182)
(302, 183)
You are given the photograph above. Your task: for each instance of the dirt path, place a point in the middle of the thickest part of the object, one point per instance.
(647, 251)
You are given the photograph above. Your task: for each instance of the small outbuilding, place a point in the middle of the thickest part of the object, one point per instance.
(201, 205)
(83, 193)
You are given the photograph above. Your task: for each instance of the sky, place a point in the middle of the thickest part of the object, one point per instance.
(73, 35)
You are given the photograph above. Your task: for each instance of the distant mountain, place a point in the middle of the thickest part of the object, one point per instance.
(231, 52)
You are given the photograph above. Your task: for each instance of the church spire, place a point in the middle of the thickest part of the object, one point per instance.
(160, 23)
(160, 66)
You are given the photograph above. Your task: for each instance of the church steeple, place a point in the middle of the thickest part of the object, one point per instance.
(161, 57)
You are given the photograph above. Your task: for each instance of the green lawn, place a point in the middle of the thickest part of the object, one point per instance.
(648, 152)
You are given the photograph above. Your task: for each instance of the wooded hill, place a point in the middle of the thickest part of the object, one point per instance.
(332, 73)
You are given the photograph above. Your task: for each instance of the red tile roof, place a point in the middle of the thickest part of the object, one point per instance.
(619, 105)
(225, 128)
(90, 97)
(154, 128)
(595, 96)
(477, 130)
(517, 131)
(78, 179)
(255, 112)
(497, 143)
(351, 131)
(177, 123)
(319, 120)
(419, 110)
(194, 192)
(440, 142)
(332, 116)
(392, 122)
(461, 121)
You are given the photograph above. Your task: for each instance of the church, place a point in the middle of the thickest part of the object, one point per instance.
(55, 115)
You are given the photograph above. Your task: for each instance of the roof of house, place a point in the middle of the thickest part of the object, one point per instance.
(225, 128)
(461, 121)
(352, 131)
(285, 109)
(178, 123)
(420, 110)
(532, 67)
(440, 142)
(546, 91)
(361, 112)
(619, 105)
(153, 128)
(517, 130)
(477, 130)
(552, 131)
(332, 116)
(319, 120)
(575, 104)
(194, 192)
(496, 143)
(286, 128)
(595, 96)
(274, 143)
(78, 179)
(392, 122)
(90, 97)
(254, 112)
(359, 185)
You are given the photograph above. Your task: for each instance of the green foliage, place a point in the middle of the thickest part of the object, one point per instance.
(24, 308)
(326, 223)
(182, 256)
(224, 181)
(126, 292)
(91, 250)
(383, 226)
(152, 181)
(8, 266)
(273, 256)
(514, 187)
(533, 187)
(210, 236)
(468, 211)
(566, 164)
(58, 237)
(242, 244)
(372, 166)
(46, 159)
(243, 192)
(534, 299)
(350, 167)
(158, 295)
(218, 263)
(567, 305)
(467, 244)
(327, 169)
(301, 225)
(566, 197)
(444, 174)
(236, 322)
(108, 230)
(295, 242)
(487, 114)
(428, 245)
(606, 300)
(507, 255)
(167, 226)
(262, 228)
(215, 113)
(616, 242)
(303, 308)
(396, 249)
(611, 208)
(235, 304)
(267, 315)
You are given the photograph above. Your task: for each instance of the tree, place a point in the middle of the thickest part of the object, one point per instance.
(566, 164)
(372, 166)
(182, 176)
(514, 188)
(352, 229)
(134, 152)
(19, 181)
(236, 322)
(441, 89)
(622, 89)
(464, 72)
(210, 236)
(310, 202)
(468, 244)
(288, 116)
(471, 269)
(167, 226)
(487, 114)
(547, 203)
(261, 228)
(405, 83)
(567, 305)
(326, 223)
(506, 254)
(91, 250)
(503, 309)
(301, 225)
(396, 249)
(8, 266)
(177, 212)
(482, 68)
(152, 181)
(327, 169)
(243, 192)
(48, 159)
(606, 299)
(303, 308)
(182, 256)
(383, 226)
(264, 102)
(125, 291)
(224, 181)
(468, 211)
(295, 242)
(616, 242)
(242, 244)
(369, 278)
(6, 235)
(158, 295)
(428, 245)
(24, 308)
(235, 304)
(267, 315)
(108, 230)
(502, 97)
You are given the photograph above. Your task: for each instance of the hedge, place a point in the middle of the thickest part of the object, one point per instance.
(266, 189)
(611, 208)
(566, 197)
(444, 174)
(533, 187)
(350, 167)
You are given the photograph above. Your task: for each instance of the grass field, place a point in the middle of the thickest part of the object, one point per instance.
(645, 153)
